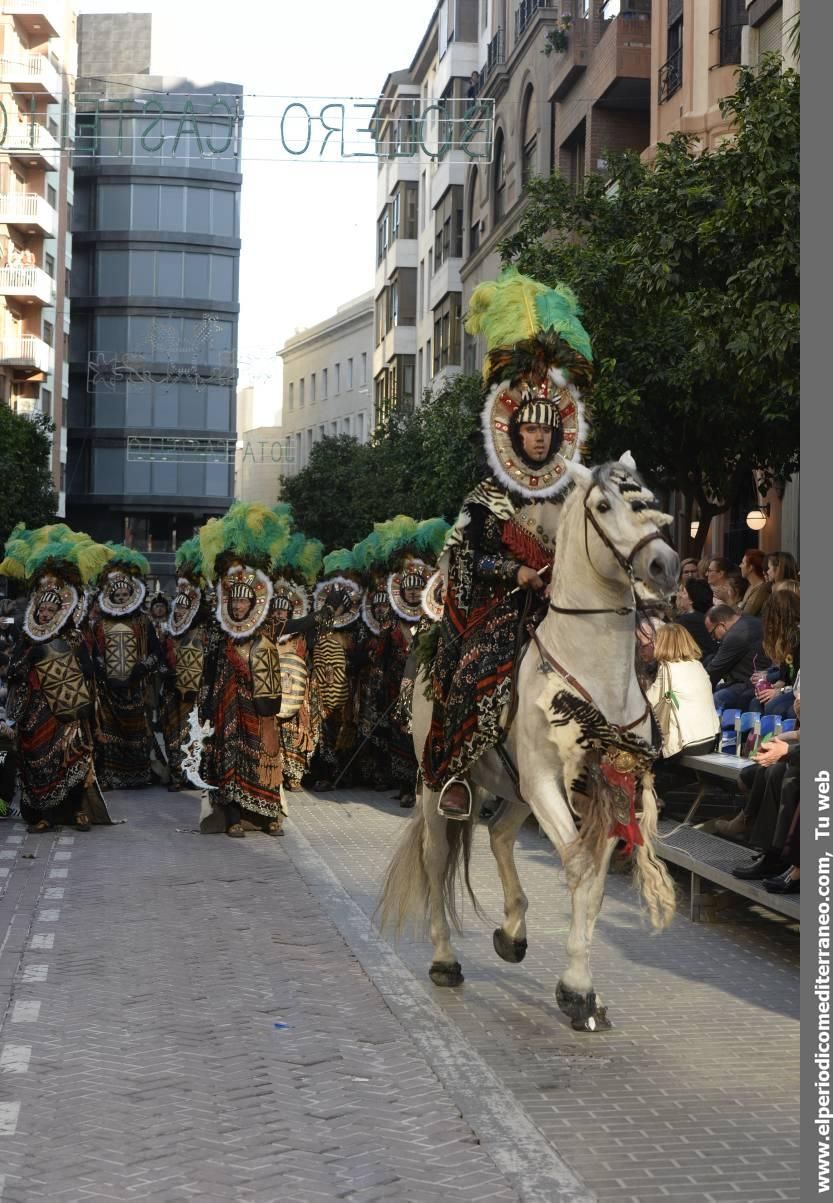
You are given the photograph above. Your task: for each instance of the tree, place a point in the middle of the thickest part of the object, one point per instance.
(687, 271)
(420, 463)
(27, 494)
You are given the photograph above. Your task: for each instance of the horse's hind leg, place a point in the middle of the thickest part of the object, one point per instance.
(445, 968)
(510, 938)
(575, 994)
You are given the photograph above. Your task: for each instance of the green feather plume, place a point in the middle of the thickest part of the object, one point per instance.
(339, 561)
(430, 537)
(189, 557)
(128, 558)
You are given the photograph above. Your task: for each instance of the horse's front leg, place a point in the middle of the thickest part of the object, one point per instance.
(445, 968)
(585, 878)
(510, 938)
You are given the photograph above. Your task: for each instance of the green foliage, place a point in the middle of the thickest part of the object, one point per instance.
(687, 272)
(421, 464)
(26, 490)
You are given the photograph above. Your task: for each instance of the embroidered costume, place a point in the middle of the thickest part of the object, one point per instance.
(184, 650)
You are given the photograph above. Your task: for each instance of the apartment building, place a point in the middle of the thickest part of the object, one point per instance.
(327, 382)
(37, 70)
(419, 231)
(770, 25)
(570, 81)
(155, 295)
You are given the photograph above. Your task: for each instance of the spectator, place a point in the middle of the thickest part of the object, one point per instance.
(646, 632)
(27, 259)
(772, 805)
(741, 651)
(474, 86)
(681, 696)
(703, 568)
(753, 568)
(732, 590)
(689, 569)
(789, 882)
(781, 567)
(788, 586)
(694, 600)
(782, 645)
(717, 574)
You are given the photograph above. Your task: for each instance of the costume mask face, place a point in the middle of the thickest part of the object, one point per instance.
(241, 607)
(46, 611)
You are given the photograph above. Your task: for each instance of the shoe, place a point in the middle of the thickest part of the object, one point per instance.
(236, 831)
(731, 829)
(766, 864)
(455, 800)
(783, 884)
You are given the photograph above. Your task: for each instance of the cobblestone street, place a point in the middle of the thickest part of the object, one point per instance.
(189, 1017)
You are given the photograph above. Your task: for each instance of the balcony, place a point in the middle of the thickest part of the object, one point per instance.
(28, 211)
(569, 64)
(670, 76)
(525, 12)
(495, 57)
(27, 283)
(32, 74)
(39, 18)
(32, 143)
(28, 351)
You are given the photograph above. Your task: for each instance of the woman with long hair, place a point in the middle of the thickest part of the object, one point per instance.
(781, 566)
(681, 695)
(782, 643)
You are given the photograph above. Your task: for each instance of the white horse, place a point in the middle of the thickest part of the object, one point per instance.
(578, 696)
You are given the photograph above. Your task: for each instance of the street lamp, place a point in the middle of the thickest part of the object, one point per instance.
(757, 519)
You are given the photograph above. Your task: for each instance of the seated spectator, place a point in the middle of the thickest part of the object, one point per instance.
(688, 569)
(787, 586)
(753, 568)
(789, 882)
(694, 600)
(781, 566)
(681, 696)
(732, 590)
(782, 645)
(718, 573)
(703, 568)
(739, 655)
(646, 665)
(770, 809)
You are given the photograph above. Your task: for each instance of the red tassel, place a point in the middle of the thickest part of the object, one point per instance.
(525, 547)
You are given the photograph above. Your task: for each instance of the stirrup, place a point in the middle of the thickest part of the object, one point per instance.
(458, 815)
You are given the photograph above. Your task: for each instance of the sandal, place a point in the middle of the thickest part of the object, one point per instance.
(40, 827)
(274, 828)
(236, 831)
(82, 822)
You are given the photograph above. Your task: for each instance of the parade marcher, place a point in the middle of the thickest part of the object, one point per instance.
(538, 357)
(50, 702)
(127, 654)
(241, 690)
(184, 649)
(373, 758)
(335, 665)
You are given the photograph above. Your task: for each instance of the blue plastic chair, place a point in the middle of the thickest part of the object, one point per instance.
(770, 724)
(788, 724)
(728, 736)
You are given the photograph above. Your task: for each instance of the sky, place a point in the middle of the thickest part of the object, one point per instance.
(307, 228)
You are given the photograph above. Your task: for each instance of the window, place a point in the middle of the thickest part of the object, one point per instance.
(348, 423)
(529, 141)
(51, 196)
(733, 17)
(46, 402)
(381, 316)
(49, 334)
(349, 375)
(406, 202)
(333, 430)
(67, 282)
(313, 395)
(291, 396)
(447, 331)
(360, 427)
(499, 170)
(324, 385)
(363, 378)
(421, 289)
(49, 265)
(671, 72)
(66, 346)
(448, 226)
(395, 213)
(382, 236)
(337, 381)
(422, 204)
(322, 433)
(301, 393)
(474, 213)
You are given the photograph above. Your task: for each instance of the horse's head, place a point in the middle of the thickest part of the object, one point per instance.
(622, 525)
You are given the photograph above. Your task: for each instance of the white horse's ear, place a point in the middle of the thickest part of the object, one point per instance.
(578, 472)
(627, 461)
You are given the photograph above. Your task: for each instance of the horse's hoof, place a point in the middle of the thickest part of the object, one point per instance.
(508, 949)
(585, 1011)
(446, 974)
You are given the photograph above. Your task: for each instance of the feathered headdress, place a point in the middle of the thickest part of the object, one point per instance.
(300, 560)
(189, 560)
(128, 559)
(57, 548)
(250, 532)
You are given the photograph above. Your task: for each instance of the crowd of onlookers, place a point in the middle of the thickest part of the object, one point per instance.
(732, 647)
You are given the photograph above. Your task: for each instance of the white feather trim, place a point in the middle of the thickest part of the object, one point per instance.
(117, 612)
(226, 621)
(496, 464)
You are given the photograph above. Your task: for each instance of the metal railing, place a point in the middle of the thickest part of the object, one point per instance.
(671, 76)
(495, 55)
(729, 40)
(28, 350)
(26, 208)
(31, 281)
(20, 138)
(33, 68)
(525, 11)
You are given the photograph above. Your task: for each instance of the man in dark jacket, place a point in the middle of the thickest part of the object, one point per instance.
(739, 655)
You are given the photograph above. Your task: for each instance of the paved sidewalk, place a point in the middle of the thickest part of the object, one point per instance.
(189, 1017)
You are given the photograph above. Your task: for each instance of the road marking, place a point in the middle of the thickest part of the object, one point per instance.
(26, 1011)
(53, 892)
(519, 1149)
(49, 915)
(63, 856)
(19, 827)
(14, 1058)
(43, 940)
(7, 855)
(35, 973)
(66, 839)
(58, 873)
(8, 1118)
(15, 839)
(4, 872)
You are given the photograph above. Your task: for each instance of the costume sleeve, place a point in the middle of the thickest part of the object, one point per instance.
(491, 560)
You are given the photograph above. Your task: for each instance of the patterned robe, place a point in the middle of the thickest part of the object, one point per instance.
(124, 737)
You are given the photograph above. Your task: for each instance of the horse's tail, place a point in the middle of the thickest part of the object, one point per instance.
(652, 877)
(405, 893)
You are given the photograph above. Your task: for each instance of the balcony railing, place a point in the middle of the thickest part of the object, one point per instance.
(38, 16)
(625, 8)
(525, 11)
(27, 209)
(495, 55)
(729, 37)
(671, 76)
(34, 73)
(27, 282)
(28, 351)
(31, 142)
